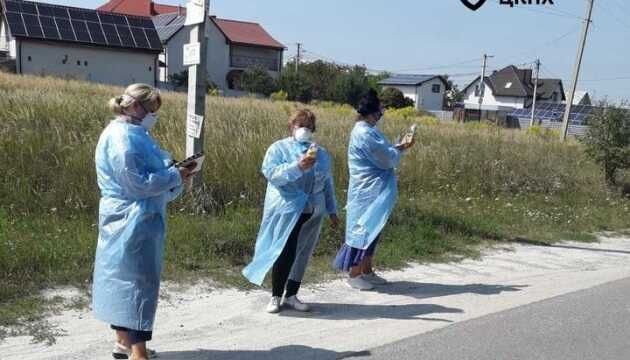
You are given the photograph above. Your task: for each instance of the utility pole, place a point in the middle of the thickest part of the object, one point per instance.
(482, 83)
(196, 57)
(298, 57)
(576, 71)
(531, 122)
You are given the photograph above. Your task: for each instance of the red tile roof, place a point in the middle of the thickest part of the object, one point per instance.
(246, 33)
(140, 7)
(236, 32)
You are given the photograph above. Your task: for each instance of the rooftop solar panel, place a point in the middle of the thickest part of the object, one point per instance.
(62, 23)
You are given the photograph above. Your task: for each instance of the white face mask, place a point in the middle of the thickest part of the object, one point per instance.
(303, 135)
(149, 121)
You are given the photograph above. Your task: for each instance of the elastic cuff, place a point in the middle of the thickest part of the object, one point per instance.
(176, 175)
(294, 171)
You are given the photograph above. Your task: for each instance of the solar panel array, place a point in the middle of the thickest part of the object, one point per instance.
(554, 113)
(61, 23)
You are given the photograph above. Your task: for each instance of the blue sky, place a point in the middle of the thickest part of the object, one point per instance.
(442, 36)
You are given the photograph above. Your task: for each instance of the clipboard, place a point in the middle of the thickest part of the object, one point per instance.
(198, 158)
(409, 136)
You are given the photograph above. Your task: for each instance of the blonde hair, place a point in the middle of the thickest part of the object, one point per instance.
(303, 118)
(146, 95)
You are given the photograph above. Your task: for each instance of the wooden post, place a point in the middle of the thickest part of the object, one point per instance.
(195, 56)
(576, 71)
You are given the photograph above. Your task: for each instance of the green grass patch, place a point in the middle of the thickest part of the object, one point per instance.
(464, 187)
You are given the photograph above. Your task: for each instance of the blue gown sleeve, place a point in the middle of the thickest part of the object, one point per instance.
(132, 173)
(380, 152)
(277, 171)
(174, 193)
(329, 194)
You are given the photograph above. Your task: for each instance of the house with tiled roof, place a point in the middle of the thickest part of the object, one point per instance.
(512, 88)
(233, 45)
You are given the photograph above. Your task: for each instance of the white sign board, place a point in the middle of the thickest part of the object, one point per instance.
(196, 12)
(192, 54)
(193, 126)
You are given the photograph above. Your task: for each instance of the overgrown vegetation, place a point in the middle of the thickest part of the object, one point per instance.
(608, 139)
(392, 98)
(461, 187)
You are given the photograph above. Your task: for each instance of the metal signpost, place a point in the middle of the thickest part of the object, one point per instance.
(195, 56)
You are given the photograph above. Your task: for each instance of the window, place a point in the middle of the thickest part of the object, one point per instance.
(436, 88)
(150, 68)
(78, 62)
(476, 90)
(29, 58)
(85, 63)
(508, 85)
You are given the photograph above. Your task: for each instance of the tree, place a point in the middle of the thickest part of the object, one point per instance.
(180, 81)
(256, 79)
(351, 85)
(608, 139)
(394, 98)
(296, 88)
(452, 95)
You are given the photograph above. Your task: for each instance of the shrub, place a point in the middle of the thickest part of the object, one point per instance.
(256, 79)
(403, 113)
(394, 98)
(280, 95)
(608, 140)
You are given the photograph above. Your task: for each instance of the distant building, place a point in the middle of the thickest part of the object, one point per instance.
(581, 98)
(427, 91)
(84, 44)
(512, 88)
(232, 45)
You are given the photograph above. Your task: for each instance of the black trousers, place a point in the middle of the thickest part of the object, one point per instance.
(282, 267)
(135, 336)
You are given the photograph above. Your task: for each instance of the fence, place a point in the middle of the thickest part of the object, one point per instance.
(574, 129)
(443, 115)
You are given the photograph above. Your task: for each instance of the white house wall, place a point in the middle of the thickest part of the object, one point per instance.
(490, 102)
(174, 54)
(4, 36)
(408, 91)
(101, 65)
(427, 99)
(218, 56)
(13, 48)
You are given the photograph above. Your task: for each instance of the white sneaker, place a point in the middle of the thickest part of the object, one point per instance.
(359, 283)
(295, 303)
(122, 352)
(274, 305)
(374, 279)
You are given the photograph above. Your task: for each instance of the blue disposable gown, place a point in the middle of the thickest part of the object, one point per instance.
(373, 189)
(136, 181)
(289, 193)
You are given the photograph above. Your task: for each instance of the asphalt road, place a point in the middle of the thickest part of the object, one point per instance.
(593, 324)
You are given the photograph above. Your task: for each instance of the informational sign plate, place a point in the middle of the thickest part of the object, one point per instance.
(194, 125)
(192, 54)
(195, 12)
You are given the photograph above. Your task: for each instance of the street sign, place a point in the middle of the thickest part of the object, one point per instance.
(196, 12)
(192, 54)
(194, 125)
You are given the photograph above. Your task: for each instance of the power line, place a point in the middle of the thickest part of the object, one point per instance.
(613, 15)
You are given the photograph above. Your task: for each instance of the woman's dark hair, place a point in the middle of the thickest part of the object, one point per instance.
(369, 104)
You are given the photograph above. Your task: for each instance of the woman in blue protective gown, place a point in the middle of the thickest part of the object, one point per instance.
(300, 195)
(137, 180)
(372, 193)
